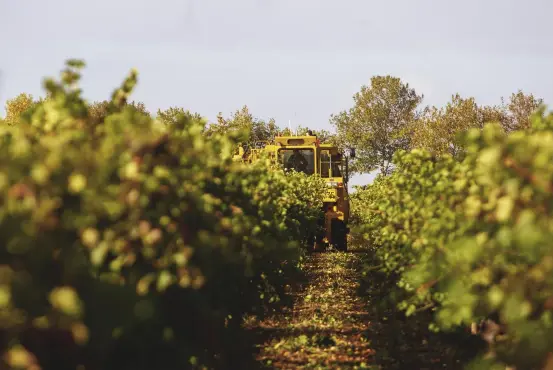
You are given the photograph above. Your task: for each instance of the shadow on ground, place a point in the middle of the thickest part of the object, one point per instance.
(406, 342)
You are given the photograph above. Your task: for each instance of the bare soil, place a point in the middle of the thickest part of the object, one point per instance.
(333, 323)
(328, 327)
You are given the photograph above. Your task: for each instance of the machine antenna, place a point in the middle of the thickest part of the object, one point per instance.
(290, 127)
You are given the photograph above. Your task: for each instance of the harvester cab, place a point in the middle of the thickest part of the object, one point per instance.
(308, 155)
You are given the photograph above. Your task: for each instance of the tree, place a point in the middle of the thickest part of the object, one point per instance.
(378, 124)
(17, 106)
(323, 135)
(242, 119)
(437, 130)
(264, 131)
(518, 111)
(100, 109)
(180, 117)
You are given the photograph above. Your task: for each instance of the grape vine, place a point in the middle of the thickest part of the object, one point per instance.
(471, 239)
(130, 243)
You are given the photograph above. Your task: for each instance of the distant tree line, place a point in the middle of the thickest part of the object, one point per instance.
(387, 115)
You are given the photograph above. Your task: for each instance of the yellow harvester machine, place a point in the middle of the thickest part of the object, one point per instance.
(307, 154)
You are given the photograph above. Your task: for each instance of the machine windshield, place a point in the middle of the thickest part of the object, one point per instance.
(301, 160)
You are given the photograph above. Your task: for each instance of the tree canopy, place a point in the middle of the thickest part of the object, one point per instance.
(379, 122)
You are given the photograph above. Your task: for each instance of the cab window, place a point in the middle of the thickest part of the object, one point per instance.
(301, 160)
(336, 165)
(331, 164)
(325, 164)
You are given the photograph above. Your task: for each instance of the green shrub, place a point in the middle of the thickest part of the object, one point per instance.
(472, 240)
(128, 243)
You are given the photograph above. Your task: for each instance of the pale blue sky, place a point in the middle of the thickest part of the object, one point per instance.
(288, 59)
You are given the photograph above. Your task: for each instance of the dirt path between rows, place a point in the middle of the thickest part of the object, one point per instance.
(329, 326)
